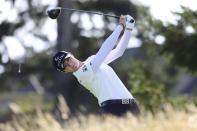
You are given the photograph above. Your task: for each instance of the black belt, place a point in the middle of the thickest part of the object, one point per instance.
(118, 101)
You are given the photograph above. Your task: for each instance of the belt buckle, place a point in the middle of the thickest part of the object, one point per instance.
(125, 101)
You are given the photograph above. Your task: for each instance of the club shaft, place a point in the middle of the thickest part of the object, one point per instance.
(91, 12)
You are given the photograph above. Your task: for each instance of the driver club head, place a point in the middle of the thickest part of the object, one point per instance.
(54, 13)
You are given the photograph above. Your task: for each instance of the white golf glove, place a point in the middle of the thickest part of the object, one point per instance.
(130, 22)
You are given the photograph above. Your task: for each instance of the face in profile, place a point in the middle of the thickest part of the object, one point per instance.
(71, 64)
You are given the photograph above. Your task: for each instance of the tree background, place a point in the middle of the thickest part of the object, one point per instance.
(151, 71)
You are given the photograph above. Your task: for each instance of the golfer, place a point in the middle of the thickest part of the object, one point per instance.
(98, 77)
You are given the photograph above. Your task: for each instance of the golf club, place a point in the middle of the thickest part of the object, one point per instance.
(55, 12)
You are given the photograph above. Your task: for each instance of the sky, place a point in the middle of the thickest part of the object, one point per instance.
(160, 9)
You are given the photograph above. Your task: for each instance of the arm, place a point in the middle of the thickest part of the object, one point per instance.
(106, 47)
(121, 47)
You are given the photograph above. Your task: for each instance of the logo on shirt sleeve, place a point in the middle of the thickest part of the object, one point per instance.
(84, 68)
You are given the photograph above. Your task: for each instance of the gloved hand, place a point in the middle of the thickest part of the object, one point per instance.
(130, 22)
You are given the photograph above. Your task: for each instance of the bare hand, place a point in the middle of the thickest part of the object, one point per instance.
(122, 20)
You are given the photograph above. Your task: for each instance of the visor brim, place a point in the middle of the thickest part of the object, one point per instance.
(68, 56)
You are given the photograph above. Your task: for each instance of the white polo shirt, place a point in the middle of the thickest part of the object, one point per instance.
(99, 78)
(104, 84)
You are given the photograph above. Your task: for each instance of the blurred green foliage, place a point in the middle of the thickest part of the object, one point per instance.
(33, 102)
(180, 39)
(148, 91)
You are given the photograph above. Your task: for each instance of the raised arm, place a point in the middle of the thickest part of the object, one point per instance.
(122, 45)
(106, 47)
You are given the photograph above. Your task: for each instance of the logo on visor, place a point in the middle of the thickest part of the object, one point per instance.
(59, 60)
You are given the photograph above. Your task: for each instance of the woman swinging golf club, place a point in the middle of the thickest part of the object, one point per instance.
(98, 77)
